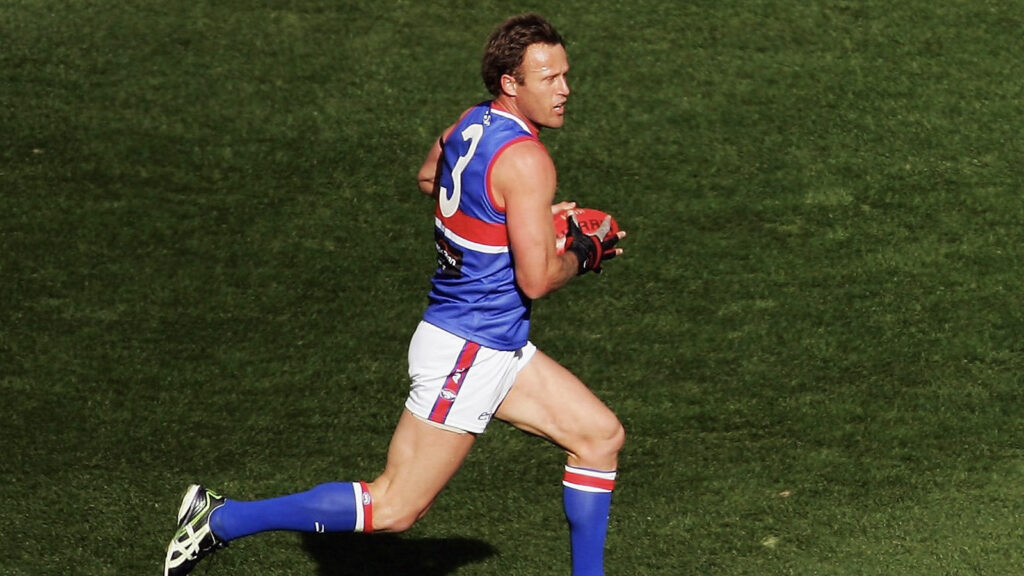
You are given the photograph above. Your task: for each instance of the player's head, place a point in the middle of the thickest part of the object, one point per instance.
(526, 60)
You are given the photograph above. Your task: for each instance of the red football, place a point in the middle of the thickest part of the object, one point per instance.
(589, 219)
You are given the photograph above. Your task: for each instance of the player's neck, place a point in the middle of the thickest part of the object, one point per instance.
(507, 104)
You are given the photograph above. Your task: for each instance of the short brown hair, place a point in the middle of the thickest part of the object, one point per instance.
(508, 44)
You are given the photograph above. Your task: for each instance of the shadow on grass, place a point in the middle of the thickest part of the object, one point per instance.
(392, 555)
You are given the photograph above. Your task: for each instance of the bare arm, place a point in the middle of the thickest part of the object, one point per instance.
(428, 174)
(524, 180)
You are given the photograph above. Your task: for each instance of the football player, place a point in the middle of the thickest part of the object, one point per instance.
(470, 358)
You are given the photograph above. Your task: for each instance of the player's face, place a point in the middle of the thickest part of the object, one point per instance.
(542, 95)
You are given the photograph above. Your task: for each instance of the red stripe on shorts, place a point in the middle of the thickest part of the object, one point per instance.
(450, 390)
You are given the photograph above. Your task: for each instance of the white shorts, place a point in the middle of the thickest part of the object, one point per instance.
(457, 383)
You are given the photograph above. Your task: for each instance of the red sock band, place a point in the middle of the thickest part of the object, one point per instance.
(589, 480)
(364, 507)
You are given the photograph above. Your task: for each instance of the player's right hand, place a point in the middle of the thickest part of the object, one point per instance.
(591, 249)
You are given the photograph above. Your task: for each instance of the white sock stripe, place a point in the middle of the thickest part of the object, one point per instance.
(357, 490)
(603, 475)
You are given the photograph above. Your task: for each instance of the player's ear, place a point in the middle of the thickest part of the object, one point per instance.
(508, 84)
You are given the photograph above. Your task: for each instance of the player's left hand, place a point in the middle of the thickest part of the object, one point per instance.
(562, 207)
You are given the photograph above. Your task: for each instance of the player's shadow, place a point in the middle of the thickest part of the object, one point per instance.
(347, 554)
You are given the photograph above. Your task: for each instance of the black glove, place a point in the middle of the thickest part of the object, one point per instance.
(590, 250)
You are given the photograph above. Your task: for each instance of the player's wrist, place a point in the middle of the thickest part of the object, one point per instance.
(586, 250)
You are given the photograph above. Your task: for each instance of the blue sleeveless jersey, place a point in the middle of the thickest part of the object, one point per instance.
(474, 293)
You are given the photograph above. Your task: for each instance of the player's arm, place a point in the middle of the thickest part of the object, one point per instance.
(428, 175)
(523, 179)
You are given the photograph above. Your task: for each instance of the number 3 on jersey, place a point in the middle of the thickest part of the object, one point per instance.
(449, 201)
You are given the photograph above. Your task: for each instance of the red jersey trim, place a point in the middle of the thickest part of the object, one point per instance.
(494, 160)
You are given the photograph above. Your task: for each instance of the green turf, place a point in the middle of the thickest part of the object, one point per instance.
(212, 254)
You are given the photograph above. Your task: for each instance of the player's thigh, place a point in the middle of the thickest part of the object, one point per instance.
(422, 458)
(551, 402)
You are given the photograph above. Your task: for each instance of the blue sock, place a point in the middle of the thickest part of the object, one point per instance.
(587, 495)
(331, 507)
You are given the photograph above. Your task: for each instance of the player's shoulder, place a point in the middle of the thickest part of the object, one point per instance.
(470, 115)
(527, 154)
(523, 168)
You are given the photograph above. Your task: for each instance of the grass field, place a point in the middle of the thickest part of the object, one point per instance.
(212, 254)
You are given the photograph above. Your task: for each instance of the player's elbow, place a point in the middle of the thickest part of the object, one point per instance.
(542, 279)
(533, 293)
(534, 288)
(427, 186)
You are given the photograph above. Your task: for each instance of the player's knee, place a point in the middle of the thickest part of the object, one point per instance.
(600, 448)
(615, 437)
(391, 520)
(397, 523)
(393, 515)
